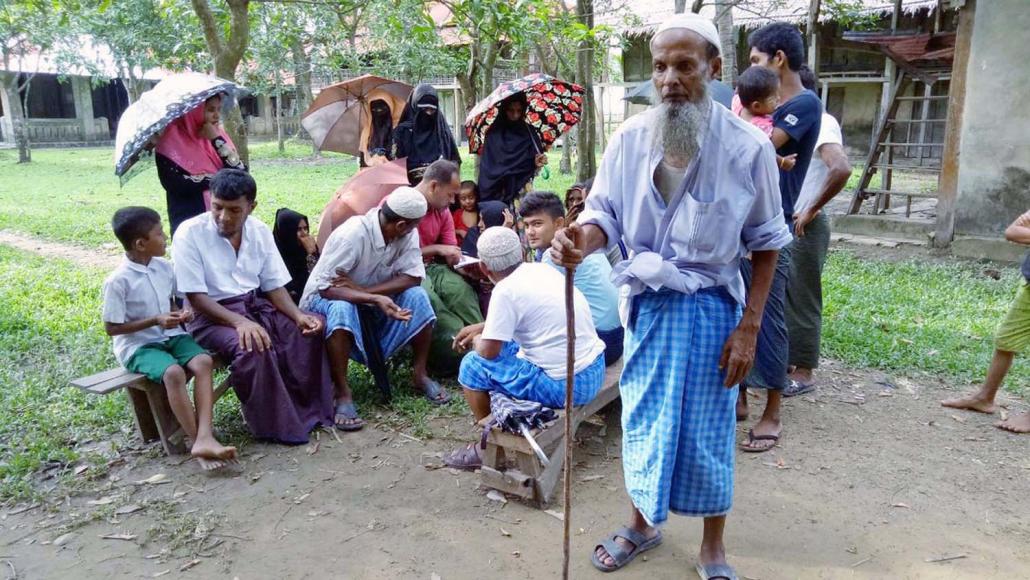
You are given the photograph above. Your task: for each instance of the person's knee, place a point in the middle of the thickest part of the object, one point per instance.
(174, 377)
(202, 363)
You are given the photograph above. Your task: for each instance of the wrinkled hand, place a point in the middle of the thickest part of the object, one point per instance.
(169, 320)
(738, 355)
(253, 336)
(803, 219)
(209, 131)
(392, 310)
(541, 160)
(342, 280)
(451, 255)
(574, 211)
(465, 339)
(309, 324)
(788, 161)
(565, 251)
(307, 242)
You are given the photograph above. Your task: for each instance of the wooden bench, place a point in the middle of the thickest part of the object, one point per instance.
(148, 402)
(529, 479)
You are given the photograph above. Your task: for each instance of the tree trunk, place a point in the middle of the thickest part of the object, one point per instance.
(21, 118)
(226, 52)
(585, 77)
(681, 6)
(568, 142)
(279, 117)
(728, 40)
(302, 76)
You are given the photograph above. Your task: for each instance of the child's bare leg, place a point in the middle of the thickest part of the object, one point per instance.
(174, 380)
(204, 443)
(983, 400)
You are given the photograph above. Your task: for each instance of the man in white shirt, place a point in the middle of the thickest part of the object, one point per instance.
(521, 348)
(374, 260)
(827, 175)
(227, 264)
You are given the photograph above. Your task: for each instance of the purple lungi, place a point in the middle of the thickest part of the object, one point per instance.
(285, 391)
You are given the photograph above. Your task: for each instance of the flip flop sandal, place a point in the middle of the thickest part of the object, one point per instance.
(432, 390)
(716, 572)
(796, 388)
(751, 438)
(349, 413)
(619, 554)
(466, 458)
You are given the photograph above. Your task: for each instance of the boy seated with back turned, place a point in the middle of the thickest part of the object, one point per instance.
(543, 214)
(148, 338)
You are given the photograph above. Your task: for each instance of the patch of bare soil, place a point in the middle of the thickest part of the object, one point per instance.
(873, 479)
(106, 259)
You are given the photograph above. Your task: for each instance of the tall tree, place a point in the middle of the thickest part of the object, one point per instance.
(587, 132)
(226, 46)
(727, 39)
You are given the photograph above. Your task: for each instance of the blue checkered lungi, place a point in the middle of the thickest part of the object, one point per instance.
(393, 334)
(678, 419)
(520, 379)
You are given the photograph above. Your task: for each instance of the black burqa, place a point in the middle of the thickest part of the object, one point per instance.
(508, 161)
(491, 213)
(287, 223)
(423, 135)
(380, 134)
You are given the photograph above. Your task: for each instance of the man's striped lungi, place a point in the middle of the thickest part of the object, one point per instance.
(678, 419)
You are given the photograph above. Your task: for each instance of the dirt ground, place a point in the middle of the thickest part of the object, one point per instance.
(873, 479)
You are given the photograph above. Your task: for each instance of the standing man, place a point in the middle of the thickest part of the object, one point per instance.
(689, 188)
(454, 301)
(780, 48)
(827, 175)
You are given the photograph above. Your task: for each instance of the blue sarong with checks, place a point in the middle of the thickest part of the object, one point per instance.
(393, 334)
(678, 419)
(520, 379)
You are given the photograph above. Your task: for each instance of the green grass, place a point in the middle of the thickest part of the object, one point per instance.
(908, 317)
(69, 195)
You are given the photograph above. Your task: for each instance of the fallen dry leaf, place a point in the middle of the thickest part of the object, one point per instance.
(959, 419)
(505, 533)
(313, 448)
(188, 565)
(127, 509)
(516, 553)
(592, 478)
(64, 539)
(555, 514)
(102, 501)
(161, 573)
(126, 537)
(156, 479)
(494, 495)
(901, 505)
(80, 469)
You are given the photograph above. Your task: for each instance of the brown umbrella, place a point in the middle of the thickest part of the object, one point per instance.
(364, 191)
(339, 118)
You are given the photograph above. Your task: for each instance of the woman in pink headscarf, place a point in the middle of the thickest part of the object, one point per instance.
(189, 152)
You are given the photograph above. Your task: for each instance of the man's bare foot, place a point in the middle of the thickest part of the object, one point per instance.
(1018, 424)
(975, 402)
(209, 448)
(210, 464)
(763, 436)
(606, 559)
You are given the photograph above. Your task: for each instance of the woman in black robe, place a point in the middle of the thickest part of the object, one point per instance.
(423, 135)
(297, 248)
(512, 153)
(380, 135)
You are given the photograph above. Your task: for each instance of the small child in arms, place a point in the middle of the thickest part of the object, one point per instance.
(466, 216)
(758, 95)
(148, 338)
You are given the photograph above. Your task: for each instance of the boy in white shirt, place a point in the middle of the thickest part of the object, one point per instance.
(139, 314)
(521, 348)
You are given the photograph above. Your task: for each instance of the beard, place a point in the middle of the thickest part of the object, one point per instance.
(680, 126)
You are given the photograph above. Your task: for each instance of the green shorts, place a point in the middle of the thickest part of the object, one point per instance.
(152, 360)
(1014, 332)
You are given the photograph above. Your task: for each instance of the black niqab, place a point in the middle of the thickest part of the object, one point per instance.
(421, 136)
(508, 161)
(287, 223)
(492, 214)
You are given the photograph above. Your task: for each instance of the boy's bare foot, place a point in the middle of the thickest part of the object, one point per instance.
(1018, 424)
(973, 402)
(210, 449)
(210, 464)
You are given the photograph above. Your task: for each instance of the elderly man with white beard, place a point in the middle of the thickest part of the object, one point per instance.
(690, 189)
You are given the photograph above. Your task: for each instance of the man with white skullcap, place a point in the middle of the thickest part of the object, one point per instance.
(520, 350)
(689, 188)
(374, 260)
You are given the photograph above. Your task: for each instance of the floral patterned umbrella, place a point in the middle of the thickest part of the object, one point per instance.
(554, 107)
(170, 99)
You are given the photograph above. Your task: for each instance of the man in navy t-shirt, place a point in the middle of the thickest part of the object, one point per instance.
(779, 47)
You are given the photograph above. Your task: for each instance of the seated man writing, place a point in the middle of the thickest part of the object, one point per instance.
(227, 264)
(454, 301)
(520, 349)
(543, 214)
(374, 259)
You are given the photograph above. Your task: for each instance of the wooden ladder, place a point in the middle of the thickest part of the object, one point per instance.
(881, 154)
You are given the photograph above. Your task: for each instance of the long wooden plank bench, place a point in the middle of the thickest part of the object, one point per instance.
(148, 402)
(529, 479)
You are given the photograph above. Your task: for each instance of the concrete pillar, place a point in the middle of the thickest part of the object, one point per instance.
(83, 93)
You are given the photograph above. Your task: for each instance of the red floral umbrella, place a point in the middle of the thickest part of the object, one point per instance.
(554, 107)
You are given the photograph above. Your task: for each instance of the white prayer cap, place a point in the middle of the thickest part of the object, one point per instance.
(408, 203)
(693, 22)
(499, 248)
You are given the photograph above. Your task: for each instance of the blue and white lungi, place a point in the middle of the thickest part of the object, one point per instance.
(393, 334)
(773, 346)
(678, 419)
(520, 379)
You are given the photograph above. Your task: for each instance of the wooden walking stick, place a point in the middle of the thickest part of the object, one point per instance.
(570, 379)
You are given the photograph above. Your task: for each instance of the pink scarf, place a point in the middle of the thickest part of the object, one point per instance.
(182, 143)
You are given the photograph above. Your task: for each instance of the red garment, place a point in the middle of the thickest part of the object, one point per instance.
(460, 229)
(437, 228)
(182, 143)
